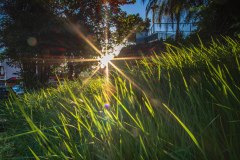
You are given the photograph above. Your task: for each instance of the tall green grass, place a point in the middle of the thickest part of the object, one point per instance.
(183, 104)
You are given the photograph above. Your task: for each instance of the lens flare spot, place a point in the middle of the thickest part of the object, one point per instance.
(32, 41)
(105, 71)
(100, 113)
(106, 104)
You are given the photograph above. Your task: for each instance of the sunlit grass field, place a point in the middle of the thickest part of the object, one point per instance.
(183, 104)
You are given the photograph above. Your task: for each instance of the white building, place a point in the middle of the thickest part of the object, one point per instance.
(7, 72)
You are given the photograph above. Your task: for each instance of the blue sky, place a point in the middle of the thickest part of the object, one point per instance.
(135, 8)
(138, 7)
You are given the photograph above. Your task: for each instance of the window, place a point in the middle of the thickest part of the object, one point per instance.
(2, 70)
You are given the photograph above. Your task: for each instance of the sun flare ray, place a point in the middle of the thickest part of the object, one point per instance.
(87, 80)
(129, 34)
(106, 31)
(107, 73)
(80, 34)
(130, 58)
(139, 88)
(157, 102)
(68, 23)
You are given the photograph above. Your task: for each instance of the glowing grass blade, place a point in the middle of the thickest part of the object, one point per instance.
(149, 106)
(143, 146)
(171, 155)
(187, 130)
(34, 154)
(128, 112)
(18, 135)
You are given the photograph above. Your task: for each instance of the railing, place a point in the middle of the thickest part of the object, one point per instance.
(154, 37)
(166, 30)
(186, 28)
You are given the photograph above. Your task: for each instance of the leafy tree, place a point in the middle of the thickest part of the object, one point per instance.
(33, 35)
(218, 17)
(22, 23)
(126, 25)
(107, 16)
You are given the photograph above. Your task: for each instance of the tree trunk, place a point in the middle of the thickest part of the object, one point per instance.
(28, 73)
(220, 18)
(178, 23)
(70, 70)
(47, 73)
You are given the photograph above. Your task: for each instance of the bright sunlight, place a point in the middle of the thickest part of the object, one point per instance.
(105, 59)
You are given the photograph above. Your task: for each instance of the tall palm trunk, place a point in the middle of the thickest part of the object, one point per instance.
(178, 25)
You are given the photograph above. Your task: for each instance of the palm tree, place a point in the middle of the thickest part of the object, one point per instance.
(175, 9)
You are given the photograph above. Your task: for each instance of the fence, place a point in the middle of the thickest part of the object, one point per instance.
(164, 30)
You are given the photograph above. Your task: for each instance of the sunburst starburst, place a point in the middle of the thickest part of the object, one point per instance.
(104, 60)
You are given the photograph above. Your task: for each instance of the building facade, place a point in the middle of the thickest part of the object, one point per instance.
(7, 73)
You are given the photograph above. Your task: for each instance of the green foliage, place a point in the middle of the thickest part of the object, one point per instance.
(218, 17)
(170, 40)
(25, 31)
(7, 147)
(130, 24)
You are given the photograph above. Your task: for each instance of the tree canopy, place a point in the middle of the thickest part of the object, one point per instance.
(218, 17)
